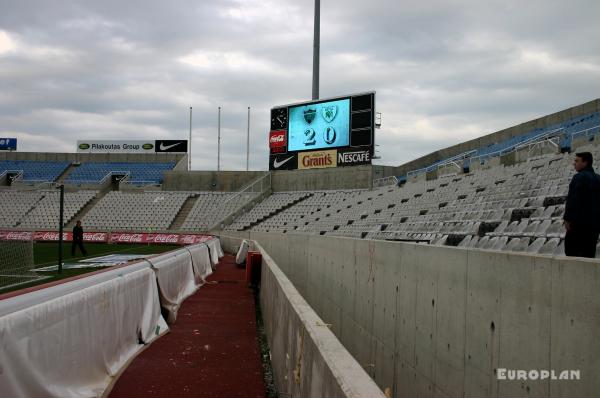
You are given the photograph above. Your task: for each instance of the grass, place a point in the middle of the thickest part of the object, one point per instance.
(46, 253)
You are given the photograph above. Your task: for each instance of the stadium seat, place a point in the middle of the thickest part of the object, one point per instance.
(35, 171)
(139, 173)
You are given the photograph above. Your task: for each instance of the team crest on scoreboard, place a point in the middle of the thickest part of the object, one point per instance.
(309, 115)
(329, 113)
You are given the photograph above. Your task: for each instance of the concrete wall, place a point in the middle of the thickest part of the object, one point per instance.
(92, 157)
(309, 361)
(433, 321)
(356, 177)
(224, 181)
(542, 122)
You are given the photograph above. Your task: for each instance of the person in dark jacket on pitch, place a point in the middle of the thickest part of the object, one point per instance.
(582, 210)
(78, 239)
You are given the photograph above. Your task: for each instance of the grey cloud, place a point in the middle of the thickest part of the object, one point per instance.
(444, 71)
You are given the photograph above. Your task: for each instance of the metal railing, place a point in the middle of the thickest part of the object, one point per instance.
(384, 181)
(587, 131)
(17, 177)
(531, 142)
(452, 160)
(259, 187)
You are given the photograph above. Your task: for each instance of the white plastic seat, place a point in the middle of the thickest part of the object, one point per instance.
(536, 245)
(550, 246)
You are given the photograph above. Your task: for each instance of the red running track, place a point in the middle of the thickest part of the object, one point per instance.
(212, 350)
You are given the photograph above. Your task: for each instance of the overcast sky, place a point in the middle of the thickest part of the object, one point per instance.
(444, 71)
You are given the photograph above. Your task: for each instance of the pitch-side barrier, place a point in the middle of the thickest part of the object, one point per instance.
(71, 339)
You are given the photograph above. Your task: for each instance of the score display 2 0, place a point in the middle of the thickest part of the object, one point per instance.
(320, 125)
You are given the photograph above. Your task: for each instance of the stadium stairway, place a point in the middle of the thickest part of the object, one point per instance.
(85, 209)
(29, 211)
(61, 178)
(276, 211)
(184, 211)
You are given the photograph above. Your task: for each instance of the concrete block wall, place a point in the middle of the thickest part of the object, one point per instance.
(219, 181)
(308, 360)
(93, 157)
(356, 177)
(433, 321)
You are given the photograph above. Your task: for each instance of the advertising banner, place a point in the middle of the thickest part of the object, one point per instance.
(52, 236)
(287, 161)
(132, 146)
(278, 139)
(353, 156)
(8, 144)
(16, 235)
(171, 146)
(103, 237)
(191, 239)
(317, 160)
(172, 239)
(115, 146)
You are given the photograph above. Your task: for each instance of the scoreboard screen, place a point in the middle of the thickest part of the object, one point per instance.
(318, 126)
(331, 132)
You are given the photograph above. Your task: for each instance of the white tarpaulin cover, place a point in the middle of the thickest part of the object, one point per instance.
(69, 340)
(175, 277)
(240, 257)
(201, 262)
(215, 250)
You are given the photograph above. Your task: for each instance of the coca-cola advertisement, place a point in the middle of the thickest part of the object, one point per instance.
(172, 239)
(191, 239)
(95, 237)
(16, 235)
(103, 237)
(126, 237)
(52, 236)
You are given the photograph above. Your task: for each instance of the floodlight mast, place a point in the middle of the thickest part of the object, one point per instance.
(219, 141)
(316, 46)
(248, 143)
(190, 143)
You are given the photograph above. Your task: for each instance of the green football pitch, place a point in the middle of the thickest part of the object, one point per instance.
(46, 254)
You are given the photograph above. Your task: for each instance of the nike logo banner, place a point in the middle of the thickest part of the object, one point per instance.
(180, 146)
(284, 161)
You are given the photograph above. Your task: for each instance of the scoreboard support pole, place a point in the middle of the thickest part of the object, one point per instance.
(248, 143)
(190, 147)
(219, 141)
(316, 46)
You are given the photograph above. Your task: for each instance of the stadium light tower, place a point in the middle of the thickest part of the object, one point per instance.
(316, 45)
(190, 143)
(248, 143)
(219, 141)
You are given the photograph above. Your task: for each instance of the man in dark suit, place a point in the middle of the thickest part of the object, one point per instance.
(78, 239)
(582, 210)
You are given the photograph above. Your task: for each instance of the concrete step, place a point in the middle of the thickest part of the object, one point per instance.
(65, 174)
(277, 211)
(85, 209)
(183, 213)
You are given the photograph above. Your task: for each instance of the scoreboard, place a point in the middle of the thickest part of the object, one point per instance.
(324, 133)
